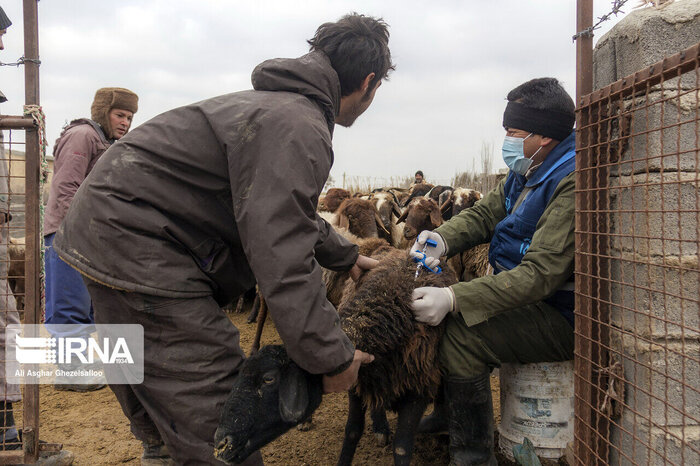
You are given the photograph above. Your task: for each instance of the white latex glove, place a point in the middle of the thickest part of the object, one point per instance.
(431, 304)
(432, 254)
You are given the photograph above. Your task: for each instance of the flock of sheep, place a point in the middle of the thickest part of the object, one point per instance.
(273, 394)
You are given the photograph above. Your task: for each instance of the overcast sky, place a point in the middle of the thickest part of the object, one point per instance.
(455, 62)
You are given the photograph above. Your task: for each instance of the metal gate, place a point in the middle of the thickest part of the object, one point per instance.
(637, 355)
(20, 284)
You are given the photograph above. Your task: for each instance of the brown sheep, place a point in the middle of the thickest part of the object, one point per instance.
(474, 262)
(360, 217)
(15, 272)
(421, 214)
(333, 198)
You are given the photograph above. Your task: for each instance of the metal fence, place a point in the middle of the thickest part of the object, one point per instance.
(637, 354)
(20, 199)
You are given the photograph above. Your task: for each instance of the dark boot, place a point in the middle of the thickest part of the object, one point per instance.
(155, 454)
(471, 421)
(436, 422)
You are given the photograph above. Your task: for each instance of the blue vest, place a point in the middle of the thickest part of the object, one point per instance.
(512, 236)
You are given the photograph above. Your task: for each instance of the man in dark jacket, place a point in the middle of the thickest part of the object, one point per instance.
(524, 312)
(189, 210)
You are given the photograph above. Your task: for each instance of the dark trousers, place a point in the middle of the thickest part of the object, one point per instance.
(533, 333)
(192, 355)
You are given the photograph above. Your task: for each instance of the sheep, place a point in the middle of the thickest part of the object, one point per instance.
(436, 191)
(272, 394)
(360, 217)
(388, 207)
(460, 199)
(15, 272)
(424, 214)
(333, 198)
(421, 214)
(417, 190)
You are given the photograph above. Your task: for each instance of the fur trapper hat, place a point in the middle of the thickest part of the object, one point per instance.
(4, 20)
(108, 98)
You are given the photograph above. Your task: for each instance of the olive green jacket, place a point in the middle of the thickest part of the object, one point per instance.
(543, 270)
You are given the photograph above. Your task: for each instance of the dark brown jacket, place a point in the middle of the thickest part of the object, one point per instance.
(208, 198)
(75, 153)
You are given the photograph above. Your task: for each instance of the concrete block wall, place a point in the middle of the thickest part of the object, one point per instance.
(654, 275)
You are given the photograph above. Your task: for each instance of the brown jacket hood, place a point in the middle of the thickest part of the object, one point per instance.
(307, 75)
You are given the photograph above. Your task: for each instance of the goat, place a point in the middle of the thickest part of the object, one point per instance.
(272, 394)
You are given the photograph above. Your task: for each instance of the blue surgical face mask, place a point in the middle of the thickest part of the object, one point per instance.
(514, 155)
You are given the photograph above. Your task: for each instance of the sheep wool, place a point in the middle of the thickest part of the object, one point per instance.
(378, 319)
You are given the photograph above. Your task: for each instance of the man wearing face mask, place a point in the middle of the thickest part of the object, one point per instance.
(524, 312)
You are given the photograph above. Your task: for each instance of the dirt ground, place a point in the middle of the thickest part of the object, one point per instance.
(92, 426)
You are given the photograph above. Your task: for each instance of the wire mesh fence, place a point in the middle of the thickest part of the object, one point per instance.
(12, 234)
(637, 366)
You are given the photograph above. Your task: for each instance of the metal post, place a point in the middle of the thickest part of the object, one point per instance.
(584, 204)
(584, 49)
(32, 229)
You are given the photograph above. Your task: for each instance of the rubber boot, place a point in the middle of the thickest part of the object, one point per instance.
(471, 421)
(437, 421)
(155, 454)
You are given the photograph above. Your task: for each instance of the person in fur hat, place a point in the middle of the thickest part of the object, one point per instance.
(76, 151)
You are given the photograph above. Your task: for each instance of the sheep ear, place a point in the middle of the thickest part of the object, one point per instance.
(447, 205)
(380, 224)
(403, 217)
(294, 394)
(435, 217)
(343, 221)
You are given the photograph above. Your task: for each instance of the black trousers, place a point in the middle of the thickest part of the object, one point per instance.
(192, 355)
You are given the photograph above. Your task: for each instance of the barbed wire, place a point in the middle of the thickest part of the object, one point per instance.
(588, 32)
(21, 61)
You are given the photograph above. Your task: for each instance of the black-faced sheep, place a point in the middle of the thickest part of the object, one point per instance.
(272, 394)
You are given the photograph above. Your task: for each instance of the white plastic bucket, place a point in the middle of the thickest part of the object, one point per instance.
(537, 402)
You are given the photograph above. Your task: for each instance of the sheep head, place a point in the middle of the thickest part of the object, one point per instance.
(421, 214)
(360, 217)
(270, 395)
(460, 199)
(334, 197)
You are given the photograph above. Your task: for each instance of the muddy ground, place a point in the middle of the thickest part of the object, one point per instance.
(93, 427)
